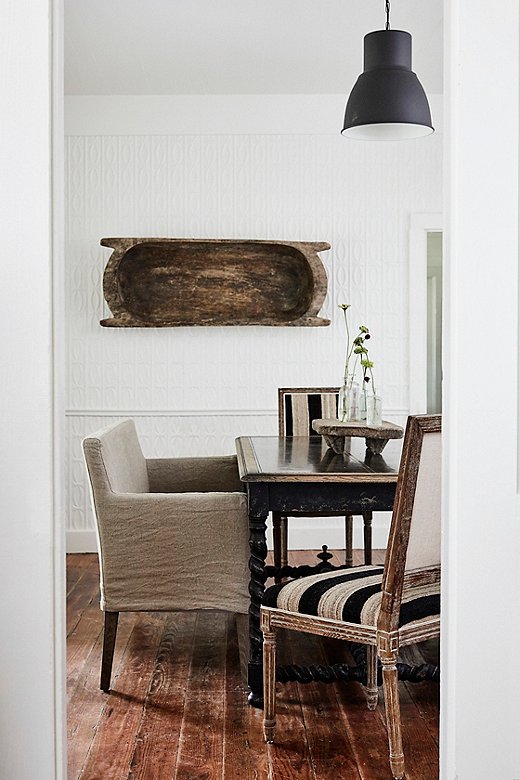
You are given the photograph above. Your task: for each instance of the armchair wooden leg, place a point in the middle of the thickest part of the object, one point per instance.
(371, 687)
(393, 717)
(279, 541)
(367, 537)
(109, 641)
(269, 652)
(348, 540)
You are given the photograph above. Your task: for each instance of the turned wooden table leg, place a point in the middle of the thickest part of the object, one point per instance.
(258, 548)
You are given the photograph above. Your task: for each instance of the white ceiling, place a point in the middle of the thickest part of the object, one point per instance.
(139, 47)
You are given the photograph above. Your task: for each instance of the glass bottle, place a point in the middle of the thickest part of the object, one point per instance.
(374, 410)
(348, 400)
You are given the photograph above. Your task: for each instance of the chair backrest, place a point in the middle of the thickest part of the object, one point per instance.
(299, 406)
(413, 552)
(115, 461)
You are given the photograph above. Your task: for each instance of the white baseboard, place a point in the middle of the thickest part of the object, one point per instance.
(81, 541)
(304, 534)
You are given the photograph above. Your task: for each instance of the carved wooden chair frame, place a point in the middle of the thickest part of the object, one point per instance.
(384, 639)
(280, 520)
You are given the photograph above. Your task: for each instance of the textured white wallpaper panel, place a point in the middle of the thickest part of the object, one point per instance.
(194, 389)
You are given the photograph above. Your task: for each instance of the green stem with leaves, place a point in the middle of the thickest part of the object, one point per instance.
(348, 351)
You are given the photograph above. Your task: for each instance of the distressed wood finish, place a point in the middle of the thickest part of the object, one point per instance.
(395, 563)
(169, 282)
(338, 434)
(300, 459)
(258, 548)
(386, 636)
(300, 474)
(148, 726)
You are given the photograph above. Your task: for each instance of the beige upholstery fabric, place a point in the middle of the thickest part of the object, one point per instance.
(184, 475)
(124, 465)
(372, 606)
(424, 545)
(166, 550)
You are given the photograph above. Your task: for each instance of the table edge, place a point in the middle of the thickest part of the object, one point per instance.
(245, 447)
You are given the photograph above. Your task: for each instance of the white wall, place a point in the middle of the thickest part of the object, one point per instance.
(192, 390)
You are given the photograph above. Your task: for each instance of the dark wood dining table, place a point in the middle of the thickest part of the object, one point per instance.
(302, 474)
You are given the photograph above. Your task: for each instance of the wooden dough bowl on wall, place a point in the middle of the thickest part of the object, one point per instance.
(167, 282)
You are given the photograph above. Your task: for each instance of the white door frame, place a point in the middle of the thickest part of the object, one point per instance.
(420, 226)
(480, 632)
(32, 582)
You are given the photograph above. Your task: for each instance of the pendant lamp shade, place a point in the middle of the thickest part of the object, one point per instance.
(387, 101)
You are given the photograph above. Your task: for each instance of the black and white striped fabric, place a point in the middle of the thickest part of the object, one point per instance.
(301, 408)
(352, 595)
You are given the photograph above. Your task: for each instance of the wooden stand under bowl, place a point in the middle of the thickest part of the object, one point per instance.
(337, 434)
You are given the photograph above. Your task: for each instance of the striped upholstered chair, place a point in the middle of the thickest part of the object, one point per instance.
(297, 408)
(384, 608)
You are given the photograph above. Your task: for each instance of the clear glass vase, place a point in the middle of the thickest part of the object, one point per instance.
(363, 404)
(374, 410)
(348, 400)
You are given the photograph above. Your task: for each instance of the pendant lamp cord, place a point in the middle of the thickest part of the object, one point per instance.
(387, 6)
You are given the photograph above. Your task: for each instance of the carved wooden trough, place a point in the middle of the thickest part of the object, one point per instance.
(167, 282)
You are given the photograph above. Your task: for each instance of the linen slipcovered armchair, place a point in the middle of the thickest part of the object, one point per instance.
(172, 533)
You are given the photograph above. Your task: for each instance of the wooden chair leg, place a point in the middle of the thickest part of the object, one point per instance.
(279, 541)
(269, 655)
(393, 717)
(348, 540)
(371, 686)
(109, 641)
(283, 537)
(367, 537)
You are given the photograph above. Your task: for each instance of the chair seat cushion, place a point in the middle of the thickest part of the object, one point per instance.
(352, 595)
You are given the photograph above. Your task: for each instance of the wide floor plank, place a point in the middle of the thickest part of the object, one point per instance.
(200, 750)
(157, 739)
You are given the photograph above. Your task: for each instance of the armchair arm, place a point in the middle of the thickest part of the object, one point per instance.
(194, 475)
(170, 551)
(139, 507)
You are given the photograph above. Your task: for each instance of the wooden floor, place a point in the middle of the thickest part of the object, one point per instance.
(177, 708)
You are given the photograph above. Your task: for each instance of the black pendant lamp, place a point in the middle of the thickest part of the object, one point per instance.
(387, 101)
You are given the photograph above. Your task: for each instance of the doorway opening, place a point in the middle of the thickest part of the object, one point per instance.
(425, 299)
(434, 322)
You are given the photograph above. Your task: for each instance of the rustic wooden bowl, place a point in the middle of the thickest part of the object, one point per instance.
(166, 282)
